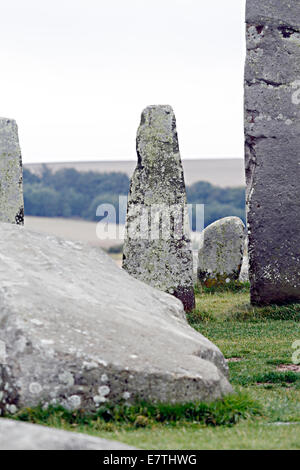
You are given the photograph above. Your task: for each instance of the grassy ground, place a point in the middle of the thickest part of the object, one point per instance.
(267, 408)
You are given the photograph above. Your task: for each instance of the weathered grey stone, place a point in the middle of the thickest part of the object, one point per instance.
(272, 157)
(15, 435)
(161, 258)
(244, 274)
(11, 186)
(79, 331)
(221, 255)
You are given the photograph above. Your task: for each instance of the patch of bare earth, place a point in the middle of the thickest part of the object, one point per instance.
(288, 367)
(234, 359)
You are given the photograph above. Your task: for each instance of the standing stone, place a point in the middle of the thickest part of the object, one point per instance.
(272, 150)
(11, 181)
(221, 255)
(157, 243)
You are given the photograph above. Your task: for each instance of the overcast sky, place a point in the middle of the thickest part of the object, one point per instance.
(76, 74)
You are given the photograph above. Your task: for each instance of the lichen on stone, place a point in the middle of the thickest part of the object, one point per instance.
(220, 257)
(158, 191)
(11, 182)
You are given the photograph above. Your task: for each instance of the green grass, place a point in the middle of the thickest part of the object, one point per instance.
(226, 412)
(231, 302)
(264, 413)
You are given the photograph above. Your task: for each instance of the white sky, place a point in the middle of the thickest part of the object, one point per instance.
(76, 74)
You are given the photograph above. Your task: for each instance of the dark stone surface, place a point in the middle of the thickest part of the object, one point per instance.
(272, 150)
(187, 297)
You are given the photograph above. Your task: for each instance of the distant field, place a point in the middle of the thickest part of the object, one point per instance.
(224, 172)
(69, 229)
(84, 231)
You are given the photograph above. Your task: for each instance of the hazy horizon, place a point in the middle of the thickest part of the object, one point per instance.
(125, 159)
(219, 172)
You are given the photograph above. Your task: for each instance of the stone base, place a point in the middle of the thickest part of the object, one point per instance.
(263, 293)
(187, 297)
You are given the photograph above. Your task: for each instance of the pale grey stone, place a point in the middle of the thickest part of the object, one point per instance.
(272, 157)
(11, 184)
(15, 435)
(79, 331)
(162, 260)
(221, 255)
(244, 274)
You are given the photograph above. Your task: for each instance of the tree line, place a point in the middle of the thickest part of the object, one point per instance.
(72, 194)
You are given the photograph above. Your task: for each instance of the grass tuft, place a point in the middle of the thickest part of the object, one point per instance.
(225, 412)
(232, 286)
(287, 377)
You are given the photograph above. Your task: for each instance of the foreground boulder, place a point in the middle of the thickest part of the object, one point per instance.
(221, 255)
(15, 435)
(272, 135)
(79, 331)
(159, 252)
(11, 184)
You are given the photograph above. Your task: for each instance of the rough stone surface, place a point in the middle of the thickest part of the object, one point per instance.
(11, 185)
(79, 331)
(272, 157)
(221, 255)
(15, 435)
(244, 274)
(162, 258)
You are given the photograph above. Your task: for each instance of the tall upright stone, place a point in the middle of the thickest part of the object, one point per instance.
(157, 244)
(11, 180)
(272, 157)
